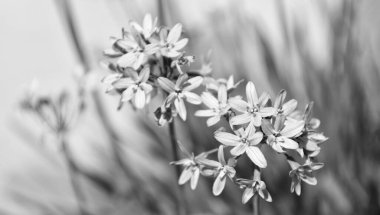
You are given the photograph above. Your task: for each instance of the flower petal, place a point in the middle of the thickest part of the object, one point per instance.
(222, 94)
(267, 111)
(174, 33)
(180, 108)
(256, 156)
(292, 129)
(251, 94)
(255, 138)
(127, 60)
(166, 84)
(221, 158)
(239, 149)
(212, 121)
(263, 99)
(218, 186)
(139, 99)
(127, 94)
(265, 195)
(192, 98)
(238, 104)
(193, 83)
(309, 180)
(289, 107)
(227, 139)
(241, 119)
(185, 176)
(180, 44)
(194, 178)
(288, 143)
(209, 100)
(144, 74)
(204, 113)
(267, 127)
(247, 194)
(123, 83)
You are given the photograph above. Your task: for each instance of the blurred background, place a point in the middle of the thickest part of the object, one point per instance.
(323, 51)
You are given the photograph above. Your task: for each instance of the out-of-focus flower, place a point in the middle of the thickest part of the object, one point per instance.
(217, 107)
(254, 110)
(172, 44)
(179, 91)
(280, 134)
(221, 169)
(135, 87)
(284, 108)
(148, 27)
(254, 187)
(302, 172)
(244, 141)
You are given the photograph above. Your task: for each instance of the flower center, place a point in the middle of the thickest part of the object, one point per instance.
(253, 110)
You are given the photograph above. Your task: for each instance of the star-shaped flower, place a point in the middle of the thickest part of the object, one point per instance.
(281, 133)
(302, 172)
(217, 106)
(244, 141)
(135, 87)
(179, 91)
(254, 110)
(192, 167)
(222, 169)
(254, 187)
(172, 44)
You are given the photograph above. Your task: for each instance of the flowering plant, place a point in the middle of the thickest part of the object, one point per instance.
(149, 61)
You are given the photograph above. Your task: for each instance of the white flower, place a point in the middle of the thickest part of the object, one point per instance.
(254, 110)
(244, 141)
(148, 28)
(254, 187)
(172, 44)
(180, 91)
(135, 87)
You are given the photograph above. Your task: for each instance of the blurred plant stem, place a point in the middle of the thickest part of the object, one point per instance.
(181, 202)
(72, 171)
(256, 199)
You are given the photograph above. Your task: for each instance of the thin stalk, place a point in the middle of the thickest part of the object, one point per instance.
(181, 204)
(72, 170)
(256, 199)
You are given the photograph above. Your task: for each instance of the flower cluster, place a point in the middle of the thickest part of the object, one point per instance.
(148, 61)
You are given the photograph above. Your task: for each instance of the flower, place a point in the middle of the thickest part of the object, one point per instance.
(171, 45)
(135, 87)
(217, 107)
(254, 110)
(163, 115)
(252, 187)
(302, 172)
(180, 91)
(280, 134)
(191, 166)
(148, 28)
(244, 141)
(213, 84)
(221, 169)
(284, 108)
(181, 61)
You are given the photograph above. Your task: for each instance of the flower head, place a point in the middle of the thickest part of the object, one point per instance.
(253, 110)
(254, 187)
(280, 133)
(218, 107)
(148, 27)
(302, 172)
(135, 87)
(179, 91)
(244, 141)
(172, 44)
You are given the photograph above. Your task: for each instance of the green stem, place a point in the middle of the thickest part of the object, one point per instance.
(181, 204)
(72, 170)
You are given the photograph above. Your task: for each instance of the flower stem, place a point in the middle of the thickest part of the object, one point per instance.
(72, 170)
(256, 199)
(181, 204)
